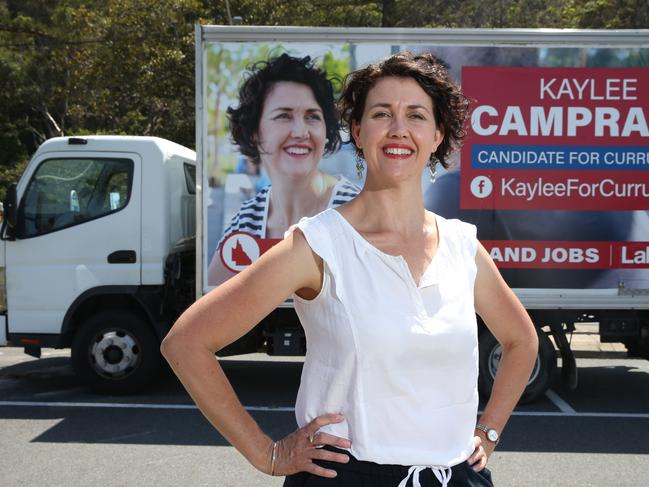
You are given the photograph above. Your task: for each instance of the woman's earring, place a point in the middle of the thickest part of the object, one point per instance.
(432, 165)
(359, 164)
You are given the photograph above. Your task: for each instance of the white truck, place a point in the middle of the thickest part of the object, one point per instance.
(107, 239)
(94, 237)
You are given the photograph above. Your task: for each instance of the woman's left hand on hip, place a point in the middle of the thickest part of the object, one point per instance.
(480, 456)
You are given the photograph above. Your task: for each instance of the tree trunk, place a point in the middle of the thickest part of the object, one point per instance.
(389, 17)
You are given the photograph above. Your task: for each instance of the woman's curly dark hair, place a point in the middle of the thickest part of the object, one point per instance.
(450, 106)
(244, 119)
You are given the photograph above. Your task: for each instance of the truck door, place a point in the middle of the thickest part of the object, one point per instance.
(78, 227)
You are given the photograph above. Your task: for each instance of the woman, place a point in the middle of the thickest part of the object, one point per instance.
(286, 121)
(387, 293)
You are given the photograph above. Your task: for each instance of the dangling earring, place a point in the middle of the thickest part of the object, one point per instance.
(432, 165)
(359, 164)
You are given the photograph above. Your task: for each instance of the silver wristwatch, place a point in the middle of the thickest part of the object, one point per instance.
(492, 434)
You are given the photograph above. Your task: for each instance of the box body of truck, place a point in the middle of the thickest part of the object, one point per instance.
(554, 170)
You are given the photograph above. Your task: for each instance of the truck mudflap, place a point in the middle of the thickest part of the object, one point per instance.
(568, 362)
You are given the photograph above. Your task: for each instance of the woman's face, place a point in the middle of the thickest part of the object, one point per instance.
(397, 131)
(291, 132)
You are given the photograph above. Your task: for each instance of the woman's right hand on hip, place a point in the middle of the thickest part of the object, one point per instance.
(296, 452)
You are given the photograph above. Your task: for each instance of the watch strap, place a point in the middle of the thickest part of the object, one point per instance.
(486, 430)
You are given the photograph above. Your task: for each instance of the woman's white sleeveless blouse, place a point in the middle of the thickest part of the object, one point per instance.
(398, 359)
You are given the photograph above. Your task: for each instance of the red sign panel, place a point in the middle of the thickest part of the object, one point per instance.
(556, 139)
(568, 255)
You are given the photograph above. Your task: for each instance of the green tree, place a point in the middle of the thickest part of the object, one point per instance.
(83, 66)
(606, 14)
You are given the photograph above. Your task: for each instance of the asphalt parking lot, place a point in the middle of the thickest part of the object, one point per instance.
(56, 432)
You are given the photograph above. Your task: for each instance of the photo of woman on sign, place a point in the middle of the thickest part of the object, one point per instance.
(286, 121)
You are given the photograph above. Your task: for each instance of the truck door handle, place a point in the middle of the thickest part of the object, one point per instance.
(122, 257)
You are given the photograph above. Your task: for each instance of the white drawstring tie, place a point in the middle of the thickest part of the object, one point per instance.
(443, 474)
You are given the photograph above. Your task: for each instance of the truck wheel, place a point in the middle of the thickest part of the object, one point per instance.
(542, 373)
(116, 352)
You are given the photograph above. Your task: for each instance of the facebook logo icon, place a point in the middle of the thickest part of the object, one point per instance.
(481, 186)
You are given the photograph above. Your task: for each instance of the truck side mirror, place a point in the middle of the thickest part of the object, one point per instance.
(10, 214)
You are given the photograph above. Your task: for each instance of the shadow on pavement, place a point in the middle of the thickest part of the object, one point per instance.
(274, 384)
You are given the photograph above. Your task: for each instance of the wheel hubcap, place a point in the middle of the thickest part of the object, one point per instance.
(494, 361)
(115, 353)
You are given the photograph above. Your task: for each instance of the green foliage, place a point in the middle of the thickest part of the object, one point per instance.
(127, 66)
(10, 173)
(337, 69)
(358, 13)
(82, 66)
(606, 14)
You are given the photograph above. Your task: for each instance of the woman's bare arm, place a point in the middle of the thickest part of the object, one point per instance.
(509, 322)
(222, 316)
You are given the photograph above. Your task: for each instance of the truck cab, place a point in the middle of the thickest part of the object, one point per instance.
(89, 235)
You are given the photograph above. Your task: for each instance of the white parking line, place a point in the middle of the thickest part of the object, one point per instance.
(285, 409)
(563, 406)
(582, 415)
(129, 405)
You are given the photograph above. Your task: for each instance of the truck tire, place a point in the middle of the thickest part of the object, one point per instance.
(116, 352)
(542, 373)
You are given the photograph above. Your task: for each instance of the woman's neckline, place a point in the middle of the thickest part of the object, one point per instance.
(337, 183)
(398, 257)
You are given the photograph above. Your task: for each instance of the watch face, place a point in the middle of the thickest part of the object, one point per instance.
(492, 435)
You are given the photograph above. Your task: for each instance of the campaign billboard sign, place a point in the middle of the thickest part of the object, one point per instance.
(554, 171)
(543, 138)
